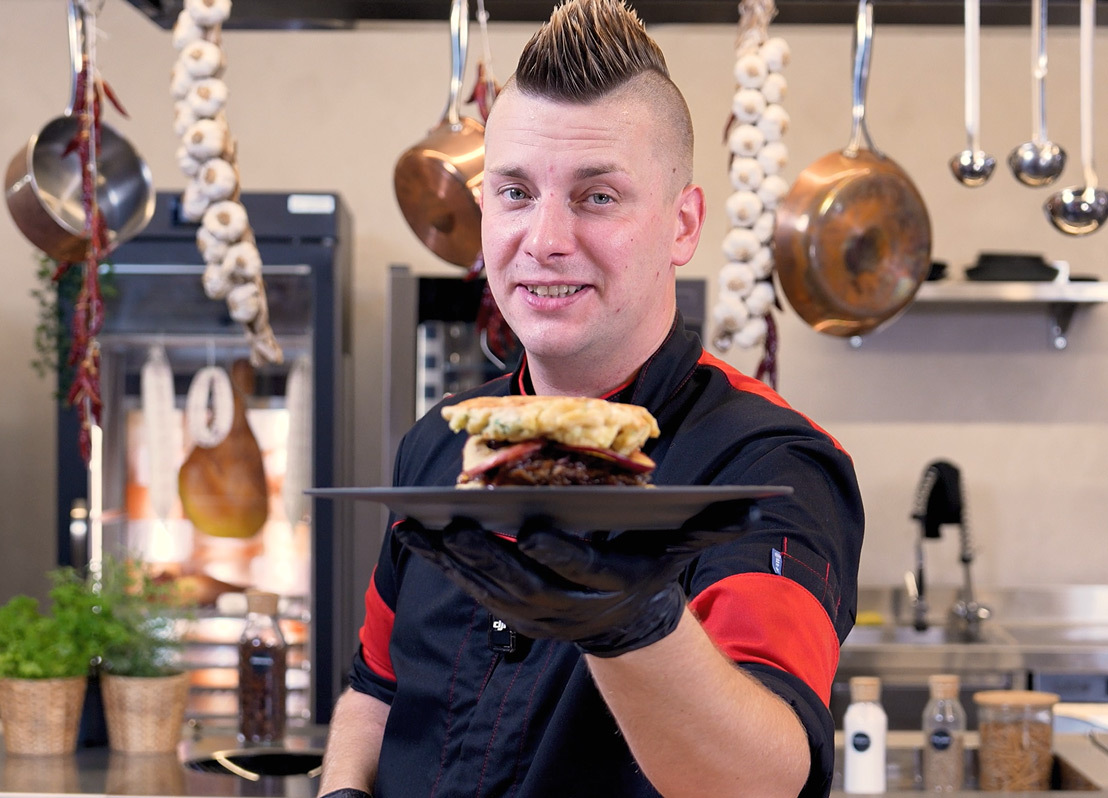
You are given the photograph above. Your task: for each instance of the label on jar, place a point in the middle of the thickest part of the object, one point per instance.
(941, 739)
(860, 741)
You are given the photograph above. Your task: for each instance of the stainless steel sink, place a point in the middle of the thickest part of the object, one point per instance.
(1058, 634)
(910, 636)
(1052, 638)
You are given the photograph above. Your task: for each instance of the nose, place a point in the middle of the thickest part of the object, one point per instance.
(550, 232)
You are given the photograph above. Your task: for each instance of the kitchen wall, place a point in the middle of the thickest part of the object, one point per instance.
(327, 111)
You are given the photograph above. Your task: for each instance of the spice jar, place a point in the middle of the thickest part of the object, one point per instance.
(262, 665)
(944, 731)
(1017, 739)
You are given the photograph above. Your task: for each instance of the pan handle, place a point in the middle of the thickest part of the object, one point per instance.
(76, 55)
(863, 38)
(81, 16)
(459, 41)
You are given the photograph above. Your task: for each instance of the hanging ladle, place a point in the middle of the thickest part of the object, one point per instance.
(972, 167)
(1081, 210)
(1038, 162)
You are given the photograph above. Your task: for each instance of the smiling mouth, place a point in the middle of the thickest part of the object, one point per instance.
(554, 290)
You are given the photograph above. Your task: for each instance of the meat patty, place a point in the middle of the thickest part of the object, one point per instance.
(551, 466)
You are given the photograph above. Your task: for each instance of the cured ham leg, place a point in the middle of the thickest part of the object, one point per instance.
(222, 487)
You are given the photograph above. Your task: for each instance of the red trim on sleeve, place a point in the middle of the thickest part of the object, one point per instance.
(376, 632)
(747, 384)
(769, 619)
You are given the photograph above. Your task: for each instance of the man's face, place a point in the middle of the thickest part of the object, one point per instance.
(583, 223)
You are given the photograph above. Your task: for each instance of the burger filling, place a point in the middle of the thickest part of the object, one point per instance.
(545, 462)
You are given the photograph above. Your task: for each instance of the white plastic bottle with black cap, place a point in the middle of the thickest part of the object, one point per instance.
(865, 727)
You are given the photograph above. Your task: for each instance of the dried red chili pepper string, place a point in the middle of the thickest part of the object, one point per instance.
(490, 322)
(767, 367)
(88, 312)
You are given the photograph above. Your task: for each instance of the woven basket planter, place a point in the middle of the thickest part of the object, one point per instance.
(144, 714)
(41, 716)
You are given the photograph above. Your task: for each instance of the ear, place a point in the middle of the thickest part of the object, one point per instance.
(690, 208)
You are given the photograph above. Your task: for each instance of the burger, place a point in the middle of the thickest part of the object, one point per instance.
(551, 440)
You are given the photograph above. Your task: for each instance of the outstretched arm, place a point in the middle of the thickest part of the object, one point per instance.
(354, 743)
(697, 724)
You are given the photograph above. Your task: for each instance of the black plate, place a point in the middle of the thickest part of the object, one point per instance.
(569, 508)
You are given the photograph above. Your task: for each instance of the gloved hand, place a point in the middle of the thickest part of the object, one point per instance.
(609, 594)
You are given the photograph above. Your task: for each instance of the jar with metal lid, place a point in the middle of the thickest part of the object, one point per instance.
(1017, 739)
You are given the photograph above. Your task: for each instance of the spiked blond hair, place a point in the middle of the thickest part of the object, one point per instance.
(592, 48)
(588, 48)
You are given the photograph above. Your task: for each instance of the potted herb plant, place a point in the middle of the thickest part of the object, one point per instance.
(143, 683)
(45, 659)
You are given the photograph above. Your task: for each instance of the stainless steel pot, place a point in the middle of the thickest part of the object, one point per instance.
(43, 180)
(437, 180)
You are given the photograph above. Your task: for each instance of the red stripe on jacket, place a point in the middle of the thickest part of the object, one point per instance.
(376, 632)
(747, 384)
(769, 619)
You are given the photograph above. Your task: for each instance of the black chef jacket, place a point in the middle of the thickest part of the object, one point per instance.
(466, 720)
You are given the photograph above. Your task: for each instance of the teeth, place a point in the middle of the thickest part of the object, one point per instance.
(553, 290)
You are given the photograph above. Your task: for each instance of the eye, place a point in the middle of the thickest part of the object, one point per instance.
(600, 198)
(514, 194)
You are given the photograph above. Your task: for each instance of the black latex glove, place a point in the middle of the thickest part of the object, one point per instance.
(609, 594)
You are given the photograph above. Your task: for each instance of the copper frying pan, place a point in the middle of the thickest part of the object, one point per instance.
(853, 237)
(437, 180)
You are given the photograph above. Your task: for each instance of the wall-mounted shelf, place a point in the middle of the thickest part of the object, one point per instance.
(346, 14)
(1060, 298)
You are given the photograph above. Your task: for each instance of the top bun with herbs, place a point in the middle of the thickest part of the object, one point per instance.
(552, 440)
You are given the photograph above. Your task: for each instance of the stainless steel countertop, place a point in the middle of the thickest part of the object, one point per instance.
(102, 772)
(99, 772)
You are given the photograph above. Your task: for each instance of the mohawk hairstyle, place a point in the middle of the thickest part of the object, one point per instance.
(587, 49)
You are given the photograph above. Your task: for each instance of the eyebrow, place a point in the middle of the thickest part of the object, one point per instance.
(581, 173)
(518, 172)
(597, 170)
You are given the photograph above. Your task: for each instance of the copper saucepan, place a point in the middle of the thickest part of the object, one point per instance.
(437, 180)
(43, 181)
(853, 237)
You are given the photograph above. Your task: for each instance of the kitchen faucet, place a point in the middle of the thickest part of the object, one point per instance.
(938, 502)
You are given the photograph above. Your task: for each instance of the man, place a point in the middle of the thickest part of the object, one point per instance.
(709, 680)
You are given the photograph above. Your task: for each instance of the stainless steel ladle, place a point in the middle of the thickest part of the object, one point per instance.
(1081, 210)
(1040, 161)
(972, 166)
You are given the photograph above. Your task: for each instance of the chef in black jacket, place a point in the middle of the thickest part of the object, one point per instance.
(693, 662)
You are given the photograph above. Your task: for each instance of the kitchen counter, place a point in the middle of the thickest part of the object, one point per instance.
(100, 772)
(1081, 765)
